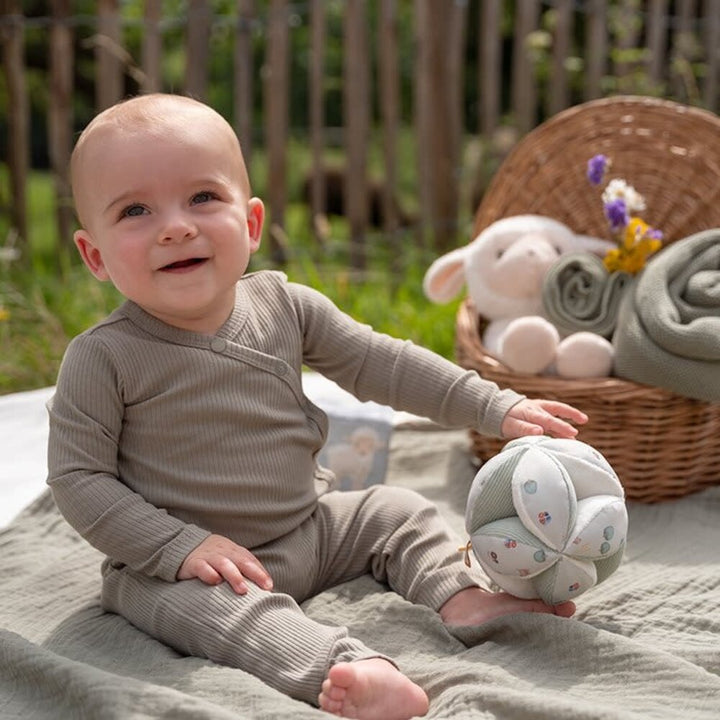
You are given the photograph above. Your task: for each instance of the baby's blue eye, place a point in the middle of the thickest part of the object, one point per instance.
(133, 211)
(202, 197)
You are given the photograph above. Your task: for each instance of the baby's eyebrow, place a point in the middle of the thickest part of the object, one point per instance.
(122, 199)
(212, 181)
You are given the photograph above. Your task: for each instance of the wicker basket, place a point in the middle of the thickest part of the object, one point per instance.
(661, 445)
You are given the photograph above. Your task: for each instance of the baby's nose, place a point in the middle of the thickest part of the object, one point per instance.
(177, 227)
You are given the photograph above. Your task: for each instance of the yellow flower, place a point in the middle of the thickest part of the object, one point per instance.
(635, 248)
(4, 314)
(612, 260)
(636, 229)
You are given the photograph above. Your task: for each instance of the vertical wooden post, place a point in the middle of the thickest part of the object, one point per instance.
(711, 84)
(421, 114)
(243, 64)
(199, 23)
(60, 115)
(442, 78)
(18, 117)
(489, 67)
(276, 88)
(151, 47)
(455, 43)
(524, 84)
(559, 95)
(595, 48)
(108, 55)
(390, 113)
(318, 189)
(656, 34)
(356, 107)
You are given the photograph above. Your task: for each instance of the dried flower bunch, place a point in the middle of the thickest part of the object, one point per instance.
(636, 240)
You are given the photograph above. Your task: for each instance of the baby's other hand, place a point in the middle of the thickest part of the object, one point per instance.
(217, 558)
(542, 417)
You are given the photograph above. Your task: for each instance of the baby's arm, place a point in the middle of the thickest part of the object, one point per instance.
(377, 367)
(86, 422)
(217, 559)
(542, 417)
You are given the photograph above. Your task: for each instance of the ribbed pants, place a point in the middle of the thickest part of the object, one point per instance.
(393, 533)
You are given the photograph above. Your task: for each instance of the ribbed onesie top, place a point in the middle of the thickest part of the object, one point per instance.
(160, 436)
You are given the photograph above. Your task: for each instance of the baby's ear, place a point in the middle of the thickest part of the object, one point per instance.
(255, 220)
(90, 254)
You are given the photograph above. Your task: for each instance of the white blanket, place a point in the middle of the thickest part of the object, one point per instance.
(23, 443)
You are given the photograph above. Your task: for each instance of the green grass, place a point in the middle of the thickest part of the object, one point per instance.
(50, 298)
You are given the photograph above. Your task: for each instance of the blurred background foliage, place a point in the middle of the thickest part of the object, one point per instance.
(46, 301)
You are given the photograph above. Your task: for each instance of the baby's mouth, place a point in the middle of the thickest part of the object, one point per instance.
(181, 265)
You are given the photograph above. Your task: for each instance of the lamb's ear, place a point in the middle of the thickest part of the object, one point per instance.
(594, 245)
(445, 277)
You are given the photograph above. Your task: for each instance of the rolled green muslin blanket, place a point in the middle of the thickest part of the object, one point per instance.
(579, 294)
(668, 331)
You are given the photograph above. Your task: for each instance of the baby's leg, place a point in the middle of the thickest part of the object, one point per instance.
(404, 541)
(263, 633)
(371, 689)
(396, 535)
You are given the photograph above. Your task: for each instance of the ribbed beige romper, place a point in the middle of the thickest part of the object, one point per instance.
(160, 437)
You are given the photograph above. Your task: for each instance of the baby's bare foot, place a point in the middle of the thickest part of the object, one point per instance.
(474, 606)
(371, 689)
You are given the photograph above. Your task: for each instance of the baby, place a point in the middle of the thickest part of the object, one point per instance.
(183, 448)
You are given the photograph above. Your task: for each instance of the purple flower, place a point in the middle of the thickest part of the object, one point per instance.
(617, 214)
(654, 234)
(596, 168)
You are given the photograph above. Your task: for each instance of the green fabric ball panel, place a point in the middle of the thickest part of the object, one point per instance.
(511, 549)
(566, 579)
(496, 493)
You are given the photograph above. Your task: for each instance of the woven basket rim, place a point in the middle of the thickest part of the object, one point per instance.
(656, 144)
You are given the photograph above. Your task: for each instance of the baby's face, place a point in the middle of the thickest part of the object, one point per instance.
(167, 217)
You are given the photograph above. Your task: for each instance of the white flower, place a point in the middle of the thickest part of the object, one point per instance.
(618, 189)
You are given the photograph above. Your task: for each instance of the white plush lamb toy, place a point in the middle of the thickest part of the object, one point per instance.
(504, 268)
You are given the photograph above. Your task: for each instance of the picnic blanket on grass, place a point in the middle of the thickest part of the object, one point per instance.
(645, 644)
(668, 331)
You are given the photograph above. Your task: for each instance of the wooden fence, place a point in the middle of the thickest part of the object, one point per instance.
(511, 63)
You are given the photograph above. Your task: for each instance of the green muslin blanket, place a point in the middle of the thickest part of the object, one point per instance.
(668, 331)
(579, 294)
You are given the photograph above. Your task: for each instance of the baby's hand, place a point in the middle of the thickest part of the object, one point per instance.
(542, 417)
(217, 558)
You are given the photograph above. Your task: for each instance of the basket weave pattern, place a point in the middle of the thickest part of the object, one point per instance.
(661, 445)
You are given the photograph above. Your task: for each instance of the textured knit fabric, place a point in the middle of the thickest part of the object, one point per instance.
(160, 437)
(392, 533)
(580, 295)
(668, 332)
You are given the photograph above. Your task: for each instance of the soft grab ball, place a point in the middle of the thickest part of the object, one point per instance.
(547, 518)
